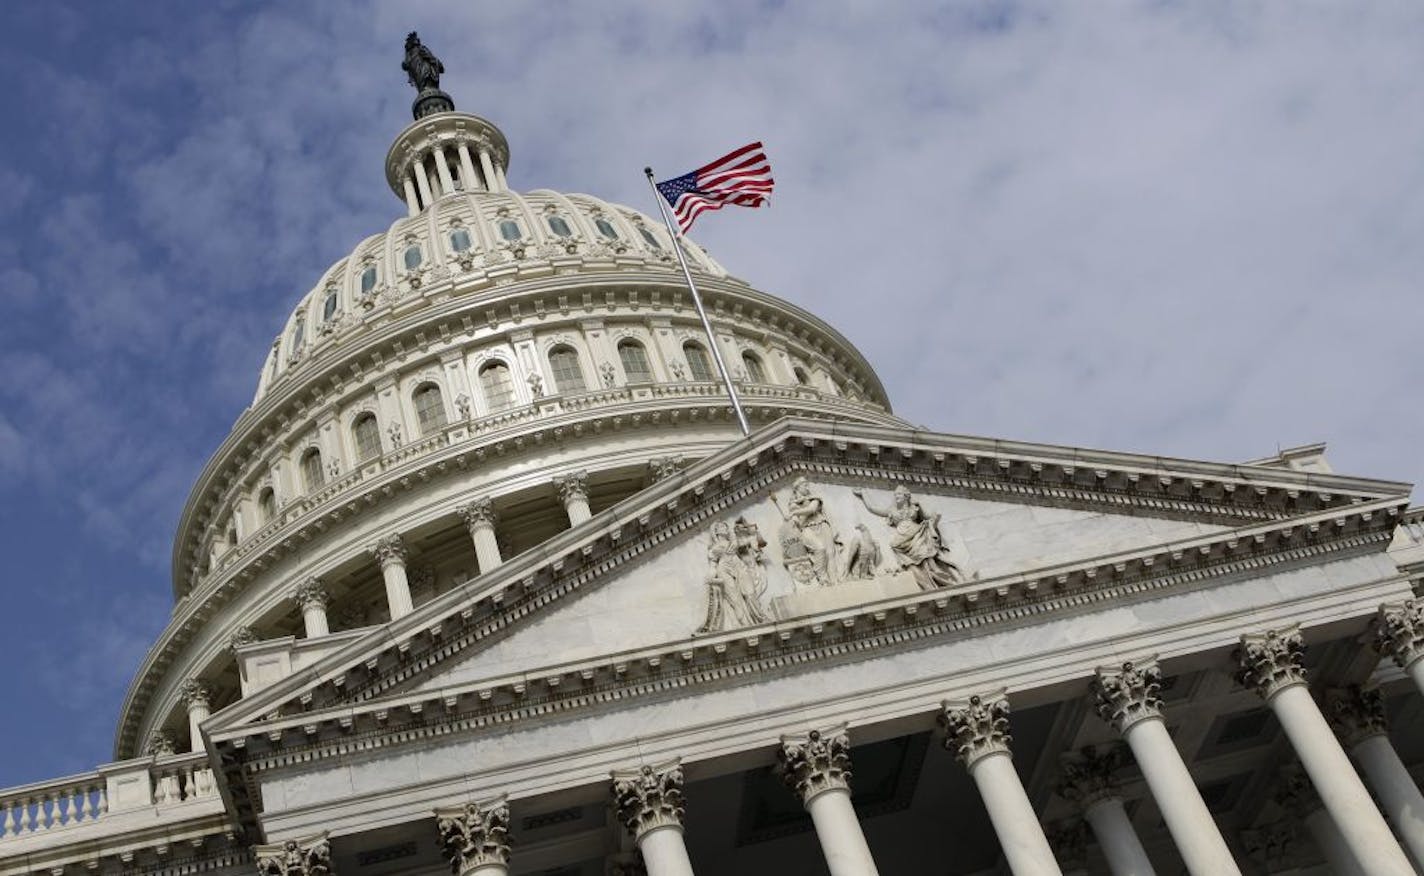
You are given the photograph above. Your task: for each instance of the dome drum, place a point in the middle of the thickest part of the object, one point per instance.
(444, 153)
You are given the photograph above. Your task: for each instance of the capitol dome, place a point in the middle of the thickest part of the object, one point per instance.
(490, 370)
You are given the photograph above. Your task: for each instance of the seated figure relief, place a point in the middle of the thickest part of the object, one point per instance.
(813, 551)
(916, 543)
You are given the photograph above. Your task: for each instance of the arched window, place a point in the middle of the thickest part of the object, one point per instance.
(648, 236)
(429, 408)
(698, 362)
(755, 372)
(412, 257)
(568, 376)
(460, 239)
(231, 535)
(498, 385)
(635, 362)
(267, 505)
(367, 436)
(368, 279)
(801, 376)
(559, 226)
(299, 332)
(509, 230)
(312, 475)
(605, 228)
(328, 307)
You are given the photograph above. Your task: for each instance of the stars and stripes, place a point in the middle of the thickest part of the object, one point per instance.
(741, 177)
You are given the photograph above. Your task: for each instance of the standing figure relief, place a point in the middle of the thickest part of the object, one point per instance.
(916, 542)
(813, 551)
(736, 581)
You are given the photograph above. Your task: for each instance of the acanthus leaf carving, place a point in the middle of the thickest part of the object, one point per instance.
(310, 856)
(474, 835)
(1271, 661)
(649, 798)
(1125, 696)
(817, 763)
(978, 728)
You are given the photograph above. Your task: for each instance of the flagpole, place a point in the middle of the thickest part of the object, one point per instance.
(677, 239)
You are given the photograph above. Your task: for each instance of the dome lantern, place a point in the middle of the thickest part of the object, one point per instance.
(443, 151)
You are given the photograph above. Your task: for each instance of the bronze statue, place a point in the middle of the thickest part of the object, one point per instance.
(421, 65)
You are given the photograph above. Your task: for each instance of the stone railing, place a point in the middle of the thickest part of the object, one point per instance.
(158, 782)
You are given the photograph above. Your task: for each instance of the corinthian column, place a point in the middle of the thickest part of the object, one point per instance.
(309, 856)
(390, 553)
(1128, 699)
(817, 768)
(195, 696)
(1271, 665)
(311, 597)
(573, 490)
(1357, 716)
(475, 837)
(649, 803)
(1088, 781)
(978, 733)
(1295, 795)
(480, 518)
(1399, 632)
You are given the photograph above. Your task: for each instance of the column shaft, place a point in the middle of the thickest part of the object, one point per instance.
(487, 166)
(467, 168)
(1331, 844)
(1012, 815)
(397, 590)
(499, 178)
(578, 509)
(486, 547)
(664, 852)
(1396, 791)
(442, 168)
(1337, 783)
(1195, 833)
(422, 181)
(412, 200)
(197, 714)
(314, 620)
(1119, 842)
(838, 829)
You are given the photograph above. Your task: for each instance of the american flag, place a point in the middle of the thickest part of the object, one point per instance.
(741, 177)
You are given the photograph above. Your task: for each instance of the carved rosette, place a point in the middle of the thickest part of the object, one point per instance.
(388, 551)
(573, 487)
(310, 856)
(159, 744)
(649, 798)
(978, 728)
(474, 835)
(241, 636)
(816, 763)
(478, 514)
(194, 694)
(1399, 631)
(1356, 713)
(1271, 661)
(310, 594)
(1122, 697)
(1088, 777)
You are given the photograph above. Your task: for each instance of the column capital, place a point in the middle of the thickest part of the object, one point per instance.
(310, 593)
(1356, 713)
(1124, 696)
(309, 856)
(240, 636)
(1295, 794)
(1271, 661)
(475, 834)
(1399, 631)
(649, 798)
(479, 512)
(977, 728)
(388, 551)
(159, 744)
(815, 763)
(572, 487)
(194, 693)
(1087, 775)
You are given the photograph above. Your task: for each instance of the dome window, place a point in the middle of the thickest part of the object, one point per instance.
(568, 376)
(267, 505)
(509, 230)
(498, 386)
(605, 228)
(756, 373)
(636, 368)
(429, 409)
(328, 307)
(312, 475)
(368, 279)
(648, 236)
(367, 436)
(559, 226)
(801, 376)
(299, 333)
(413, 257)
(460, 240)
(698, 362)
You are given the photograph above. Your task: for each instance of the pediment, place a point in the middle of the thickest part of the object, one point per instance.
(1014, 523)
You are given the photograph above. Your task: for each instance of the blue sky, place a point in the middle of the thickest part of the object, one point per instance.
(1187, 229)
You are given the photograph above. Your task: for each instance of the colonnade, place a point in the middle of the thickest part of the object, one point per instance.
(430, 178)
(1326, 794)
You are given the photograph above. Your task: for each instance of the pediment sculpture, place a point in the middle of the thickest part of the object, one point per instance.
(736, 579)
(917, 544)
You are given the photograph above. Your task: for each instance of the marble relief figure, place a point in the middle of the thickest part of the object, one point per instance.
(736, 581)
(916, 543)
(808, 540)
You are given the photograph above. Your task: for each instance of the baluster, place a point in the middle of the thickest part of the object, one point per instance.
(61, 807)
(27, 823)
(88, 803)
(103, 800)
(188, 792)
(7, 824)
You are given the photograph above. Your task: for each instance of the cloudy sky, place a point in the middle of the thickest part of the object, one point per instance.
(1190, 229)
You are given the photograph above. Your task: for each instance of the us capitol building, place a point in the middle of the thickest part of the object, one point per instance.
(487, 580)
